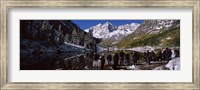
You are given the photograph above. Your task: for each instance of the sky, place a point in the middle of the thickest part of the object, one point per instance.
(85, 24)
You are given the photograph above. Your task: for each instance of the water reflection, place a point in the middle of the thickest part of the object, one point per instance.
(67, 61)
(48, 61)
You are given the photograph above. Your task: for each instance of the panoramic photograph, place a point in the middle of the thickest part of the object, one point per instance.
(100, 44)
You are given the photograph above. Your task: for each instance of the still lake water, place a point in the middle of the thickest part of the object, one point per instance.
(47, 61)
(64, 61)
(53, 61)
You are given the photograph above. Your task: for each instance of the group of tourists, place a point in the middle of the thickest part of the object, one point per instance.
(131, 58)
(115, 60)
(167, 54)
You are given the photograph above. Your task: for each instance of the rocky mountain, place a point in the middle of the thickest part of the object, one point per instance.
(153, 33)
(53, 35)
(108, 30)
(156, 26)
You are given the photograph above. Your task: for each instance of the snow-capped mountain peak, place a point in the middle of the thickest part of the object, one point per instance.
(107, 23)
(108, 30)
(99, 24)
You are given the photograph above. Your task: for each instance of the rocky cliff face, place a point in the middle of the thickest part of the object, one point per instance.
(51, 34)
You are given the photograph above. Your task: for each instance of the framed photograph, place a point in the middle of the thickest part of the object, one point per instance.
(119, 44)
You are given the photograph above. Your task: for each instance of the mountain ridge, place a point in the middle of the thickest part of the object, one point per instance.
(153, 33)
(108, 30)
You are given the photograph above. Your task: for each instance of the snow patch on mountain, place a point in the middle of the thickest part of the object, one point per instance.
(155, 26)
